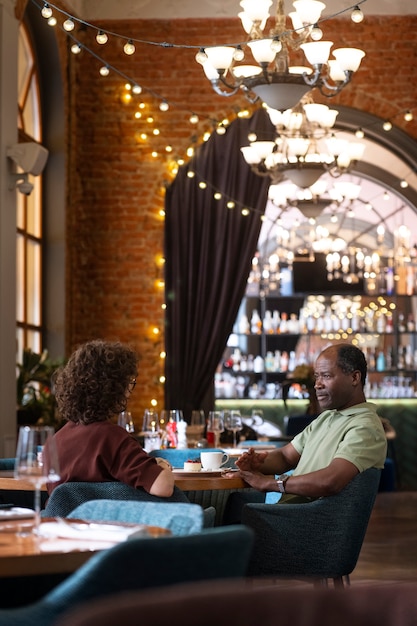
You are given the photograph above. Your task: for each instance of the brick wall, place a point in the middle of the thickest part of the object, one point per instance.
(116, 187)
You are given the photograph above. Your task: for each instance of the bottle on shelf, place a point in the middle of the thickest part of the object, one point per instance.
(255, 323)
(244, 326)
(267, 323)
(380, 362)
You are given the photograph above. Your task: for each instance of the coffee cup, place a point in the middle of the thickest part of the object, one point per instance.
(213, 460)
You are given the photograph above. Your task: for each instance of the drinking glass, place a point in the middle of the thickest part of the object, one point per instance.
(195, 431)
(37, 461)
(125, 421)
(215, 425)
(233, 422)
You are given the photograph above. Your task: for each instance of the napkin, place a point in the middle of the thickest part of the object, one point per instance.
(90, 531)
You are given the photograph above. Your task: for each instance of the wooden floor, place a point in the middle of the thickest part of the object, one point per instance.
(389, 551)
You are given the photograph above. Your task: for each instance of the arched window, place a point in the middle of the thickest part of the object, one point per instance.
(29, 208)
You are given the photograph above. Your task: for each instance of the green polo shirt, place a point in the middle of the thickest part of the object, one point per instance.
(355, 434)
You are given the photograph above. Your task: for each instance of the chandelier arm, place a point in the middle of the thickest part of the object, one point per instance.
(312, 82)
(221, 92)
(333, 89)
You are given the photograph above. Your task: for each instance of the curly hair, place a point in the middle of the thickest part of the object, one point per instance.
(92, 386)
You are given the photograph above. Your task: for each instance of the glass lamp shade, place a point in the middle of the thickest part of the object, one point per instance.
(220, 57)
(317, 52)
(297, 146)
(256, 10)
(262, 50)
(250, 155)
(263, 148)
(282, 95)
(305, 176)
(356, 150)
(309, 10)
(335, 71)
(210, 71)
(349, 59)
(336, 146)
(245, 71)
(320, 114)
(292, 120)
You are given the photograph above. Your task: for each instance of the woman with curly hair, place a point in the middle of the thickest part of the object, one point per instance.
(93, 387)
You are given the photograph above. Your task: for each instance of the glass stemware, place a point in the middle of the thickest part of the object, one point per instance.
(233, 422)
(37, 461)
(215, 425)
(125, 421)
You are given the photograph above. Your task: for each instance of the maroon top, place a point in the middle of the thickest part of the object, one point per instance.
(102, 452)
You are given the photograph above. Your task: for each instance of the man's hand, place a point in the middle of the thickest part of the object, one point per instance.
(251, 461)
(258, 481)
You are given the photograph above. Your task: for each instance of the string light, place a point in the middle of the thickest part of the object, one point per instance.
(356, 15)
(408, 116)
(164, 106)
(52, 21)
(68, 25)
(387, 126)
(104, 70)
(359, 134)
(129, 48)
(75, 48)
(46, 11)
(102, 37)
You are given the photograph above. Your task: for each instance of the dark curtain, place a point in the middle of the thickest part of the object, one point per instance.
(208, 252)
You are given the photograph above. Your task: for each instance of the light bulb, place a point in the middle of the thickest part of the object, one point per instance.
(316, 33)
(194, 119)
(356, 15)
(75, 48)
(104, 71)
(46, 11)
(359, 133)
(220, 130)
(129, 48)
(276, 45)
(68, 25)
(408, 116)
(137, 89)
(101, 37)
(238, 54)
(387, 125)
(403, 184)
(164, 106)
(201, 56)
(52, 21)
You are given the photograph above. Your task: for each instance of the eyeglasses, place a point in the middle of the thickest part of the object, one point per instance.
(132, 385)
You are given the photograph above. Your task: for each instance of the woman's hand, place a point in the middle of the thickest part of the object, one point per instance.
(163, 463)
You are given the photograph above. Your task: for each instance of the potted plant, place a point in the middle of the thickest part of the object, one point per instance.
(34, 394)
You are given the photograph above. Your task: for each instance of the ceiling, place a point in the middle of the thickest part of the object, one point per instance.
(386, 161)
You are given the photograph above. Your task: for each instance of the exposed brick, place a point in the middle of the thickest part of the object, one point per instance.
(115, 187)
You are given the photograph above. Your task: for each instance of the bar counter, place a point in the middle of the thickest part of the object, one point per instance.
(402, 414)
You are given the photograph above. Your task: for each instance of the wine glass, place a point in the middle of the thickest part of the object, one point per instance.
(37, 461)
(215, 425)
(195, 430)
(233, 422)
(125, 421)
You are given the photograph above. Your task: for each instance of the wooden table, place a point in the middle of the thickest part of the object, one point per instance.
(24, 554)
(200, 482)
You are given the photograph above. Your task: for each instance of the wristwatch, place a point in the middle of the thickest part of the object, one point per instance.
(281, 480)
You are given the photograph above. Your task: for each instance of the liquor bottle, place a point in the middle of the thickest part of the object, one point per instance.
(267, 323)
(380, 362)
(255, 323)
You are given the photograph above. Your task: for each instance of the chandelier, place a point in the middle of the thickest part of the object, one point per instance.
(275, 79)
(320, 223)
(304, 147)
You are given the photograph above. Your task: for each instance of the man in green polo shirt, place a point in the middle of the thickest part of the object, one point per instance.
(345, 439)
